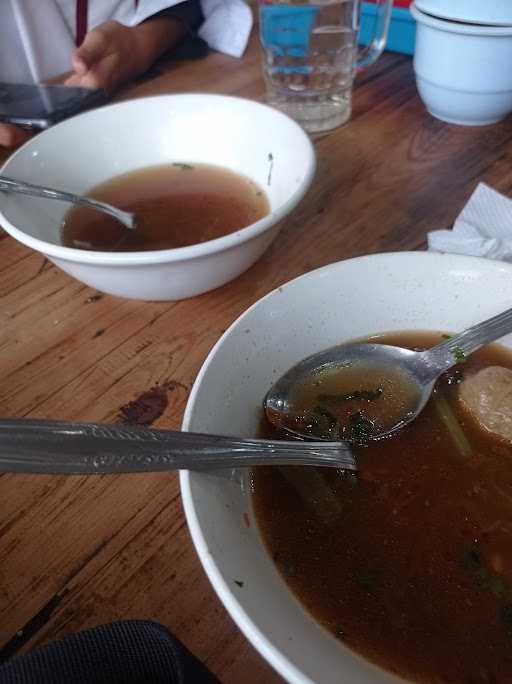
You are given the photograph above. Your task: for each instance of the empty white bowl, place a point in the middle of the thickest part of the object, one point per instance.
(463, 70)
(244, 136)
(343, 301)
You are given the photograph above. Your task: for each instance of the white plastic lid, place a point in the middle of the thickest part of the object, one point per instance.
(486, 12)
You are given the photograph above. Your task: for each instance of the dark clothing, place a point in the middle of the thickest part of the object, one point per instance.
(130, 652)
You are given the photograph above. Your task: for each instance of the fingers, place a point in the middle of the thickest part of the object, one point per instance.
(105, 74)
(11, 136)
(73, 80)
(87, 81)
(103, 58)
(94, 47)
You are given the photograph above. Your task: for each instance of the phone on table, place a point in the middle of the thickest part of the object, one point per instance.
(41, 106)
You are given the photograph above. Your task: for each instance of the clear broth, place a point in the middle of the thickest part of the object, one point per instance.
(375, 396)
(410, 563)
(176, 205)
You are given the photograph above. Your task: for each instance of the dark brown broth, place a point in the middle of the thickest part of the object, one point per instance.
(411, 564)
(176, 205)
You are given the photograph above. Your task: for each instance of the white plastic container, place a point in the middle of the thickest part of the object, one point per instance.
(486, 12)
(463, 70)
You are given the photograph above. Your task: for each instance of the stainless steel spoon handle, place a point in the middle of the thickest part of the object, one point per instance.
(12, 185)
(54, 447)
(454, 349)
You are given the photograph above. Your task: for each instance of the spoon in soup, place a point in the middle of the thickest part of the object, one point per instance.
(126, 218)
(397, 385)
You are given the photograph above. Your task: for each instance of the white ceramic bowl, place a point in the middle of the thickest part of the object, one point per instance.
(463, 71)
(342, 301)
(90, 148)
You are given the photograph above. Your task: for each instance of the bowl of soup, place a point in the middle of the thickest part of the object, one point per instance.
(404, 571)
(210, 179)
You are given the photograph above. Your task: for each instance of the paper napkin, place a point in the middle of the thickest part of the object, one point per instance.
(483, 228)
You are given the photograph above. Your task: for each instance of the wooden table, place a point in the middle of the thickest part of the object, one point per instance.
(79, 551)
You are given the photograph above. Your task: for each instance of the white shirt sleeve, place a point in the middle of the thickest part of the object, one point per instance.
(227, 25)
(127, 12)
(146, 8)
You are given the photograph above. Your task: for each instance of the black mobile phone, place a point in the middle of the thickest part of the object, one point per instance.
(41, 106)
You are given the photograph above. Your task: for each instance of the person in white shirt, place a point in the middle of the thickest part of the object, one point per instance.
(105, 43)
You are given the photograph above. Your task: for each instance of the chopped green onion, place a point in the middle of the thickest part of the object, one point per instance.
(458, 354)
(449, 418)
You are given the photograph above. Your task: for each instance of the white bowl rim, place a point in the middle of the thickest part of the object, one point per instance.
(209, 247)
(451, 26)
(263, 645)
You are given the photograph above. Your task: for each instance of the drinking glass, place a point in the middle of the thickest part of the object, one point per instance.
(310, 56)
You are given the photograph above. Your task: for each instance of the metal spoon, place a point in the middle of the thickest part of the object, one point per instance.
(419, 370)
(11, 185)
(59, 447)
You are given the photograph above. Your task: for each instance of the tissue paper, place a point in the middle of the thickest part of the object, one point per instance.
(483, 228)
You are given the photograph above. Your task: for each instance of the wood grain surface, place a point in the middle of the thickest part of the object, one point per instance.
(79, 551)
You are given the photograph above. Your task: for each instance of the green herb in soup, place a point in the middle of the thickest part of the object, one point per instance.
(176, 205)
(360, 428)
(357, 400)
(410, 561)
(458, 354)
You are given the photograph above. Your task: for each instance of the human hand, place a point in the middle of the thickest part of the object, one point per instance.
(112, 54)
(12, 136)
(106, 58)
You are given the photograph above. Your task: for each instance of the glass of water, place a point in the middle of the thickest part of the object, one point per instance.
(310, 56)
